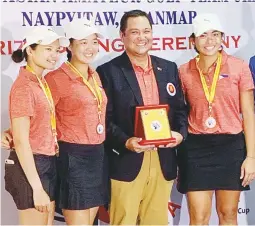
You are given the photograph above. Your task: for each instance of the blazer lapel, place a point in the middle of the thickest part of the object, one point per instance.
(130, 76)
(161, 78)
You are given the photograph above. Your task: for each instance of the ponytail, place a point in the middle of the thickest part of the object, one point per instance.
(19, 55)
(69, 53)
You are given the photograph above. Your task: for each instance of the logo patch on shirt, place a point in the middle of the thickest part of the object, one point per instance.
(223, 76)
(170, 88)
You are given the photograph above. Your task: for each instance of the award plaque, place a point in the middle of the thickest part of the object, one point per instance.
(152, 125)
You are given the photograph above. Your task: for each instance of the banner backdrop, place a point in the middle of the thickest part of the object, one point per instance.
(172, 25)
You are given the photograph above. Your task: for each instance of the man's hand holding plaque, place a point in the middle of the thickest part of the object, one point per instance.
(133, 145)
(177, 136)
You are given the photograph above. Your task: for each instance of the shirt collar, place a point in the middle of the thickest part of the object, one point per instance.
(24, 72)
(139, 68)
(193, 62)
(66, 68)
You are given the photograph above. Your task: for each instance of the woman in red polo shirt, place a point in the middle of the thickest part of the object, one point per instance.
(30, 170)
(80, 105)
(218, 156)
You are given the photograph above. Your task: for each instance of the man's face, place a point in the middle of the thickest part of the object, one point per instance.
(137, 37)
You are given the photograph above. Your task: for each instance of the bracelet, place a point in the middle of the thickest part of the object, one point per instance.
(250, 157)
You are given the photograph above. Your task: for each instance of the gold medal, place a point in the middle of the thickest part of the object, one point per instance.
(97, 94)
(210, 121)
(46, 90)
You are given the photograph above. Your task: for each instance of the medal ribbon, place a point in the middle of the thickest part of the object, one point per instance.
(46, 90)
(210, 94)
(96, 92)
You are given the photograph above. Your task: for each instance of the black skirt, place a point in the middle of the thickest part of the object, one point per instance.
(18, 186)
(80, 169)
(211, 162)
